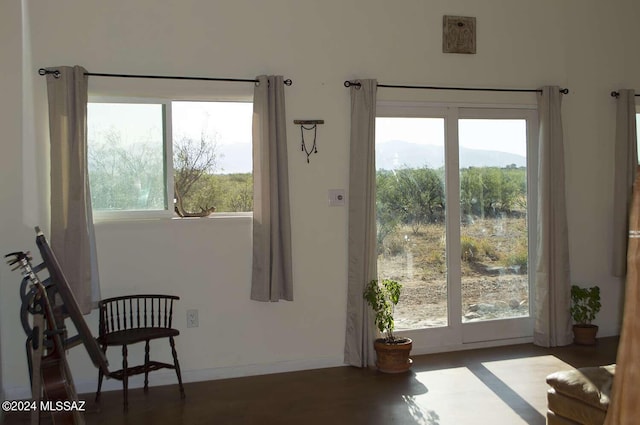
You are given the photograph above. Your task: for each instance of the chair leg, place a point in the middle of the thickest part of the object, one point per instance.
(125, 378)
(146, 366)
(100, 376)
(176, 365)
(99, 384)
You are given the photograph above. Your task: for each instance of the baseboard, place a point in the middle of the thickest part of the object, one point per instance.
(417, 350)
(17, 393)
(168, 377)
(603, 332)
(606, 331)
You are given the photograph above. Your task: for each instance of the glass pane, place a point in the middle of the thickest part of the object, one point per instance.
(410, 217)
(126, 152)
(212, 155)
(493, 211)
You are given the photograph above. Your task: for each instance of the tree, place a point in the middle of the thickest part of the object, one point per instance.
(514, 189)
(193, 160)
(488, 191)
(125, 177)
(420, 192)
(386, 199)
(471, 191)
(240, 192)
(412, 196)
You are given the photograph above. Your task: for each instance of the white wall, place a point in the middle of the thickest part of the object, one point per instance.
(12, 227)
(10, 34)
(318, 44)
(600, 56)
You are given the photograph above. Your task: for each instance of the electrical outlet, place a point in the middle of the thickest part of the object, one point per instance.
(336, 197)
(192, 318)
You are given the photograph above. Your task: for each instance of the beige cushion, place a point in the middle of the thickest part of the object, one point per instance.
(573, 409)
(591, 385)
(553, 419)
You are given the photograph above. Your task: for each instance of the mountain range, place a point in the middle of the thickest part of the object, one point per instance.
(236, 158)
(401, 154)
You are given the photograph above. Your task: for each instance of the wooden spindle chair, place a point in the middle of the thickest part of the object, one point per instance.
(131, 319)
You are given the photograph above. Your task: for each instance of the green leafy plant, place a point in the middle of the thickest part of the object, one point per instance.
(585, 304)
(382, 297)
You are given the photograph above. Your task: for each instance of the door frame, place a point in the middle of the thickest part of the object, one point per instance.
(459, 335)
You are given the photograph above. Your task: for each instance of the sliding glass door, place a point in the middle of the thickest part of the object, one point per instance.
(454, 200)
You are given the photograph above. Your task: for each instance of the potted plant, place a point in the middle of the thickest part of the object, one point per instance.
(392, 353)
(585, 304)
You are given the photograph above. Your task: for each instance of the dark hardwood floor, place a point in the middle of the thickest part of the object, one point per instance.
(504, 385)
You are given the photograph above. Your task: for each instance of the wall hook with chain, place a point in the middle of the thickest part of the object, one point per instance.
(309, 125)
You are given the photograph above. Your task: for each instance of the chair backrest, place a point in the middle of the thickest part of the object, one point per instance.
(61, 286)
(136, 311)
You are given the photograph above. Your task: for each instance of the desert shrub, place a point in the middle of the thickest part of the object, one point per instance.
(435, 262)
(393, 245)
(476, 249)
(436, 258)
(470, 248)
(489, 191)
(489, 250)
(518, 258)
(413, 197)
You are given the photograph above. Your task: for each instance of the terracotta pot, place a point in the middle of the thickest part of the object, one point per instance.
(393, 358)
(585, 334)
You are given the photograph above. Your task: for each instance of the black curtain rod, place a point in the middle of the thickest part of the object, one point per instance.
(352, 83)
(616, 94)
(56, 74)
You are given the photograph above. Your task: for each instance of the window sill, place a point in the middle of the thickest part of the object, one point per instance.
(218, 216)
(150, 217)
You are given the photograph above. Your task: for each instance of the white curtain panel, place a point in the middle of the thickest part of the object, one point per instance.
(362, 224)
(72, 232)
(552, 322)
(626, 162)
(272, 277)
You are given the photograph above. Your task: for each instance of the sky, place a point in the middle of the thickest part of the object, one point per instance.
(504, 135)
(135, 123)
(229, 123)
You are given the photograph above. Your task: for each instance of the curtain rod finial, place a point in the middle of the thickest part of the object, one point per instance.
(615, 94)
(349, 84)
(45, 71)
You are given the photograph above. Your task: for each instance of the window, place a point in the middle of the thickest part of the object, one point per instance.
(126, 150)
(212, 154)
(152, 158)
(453, 199)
